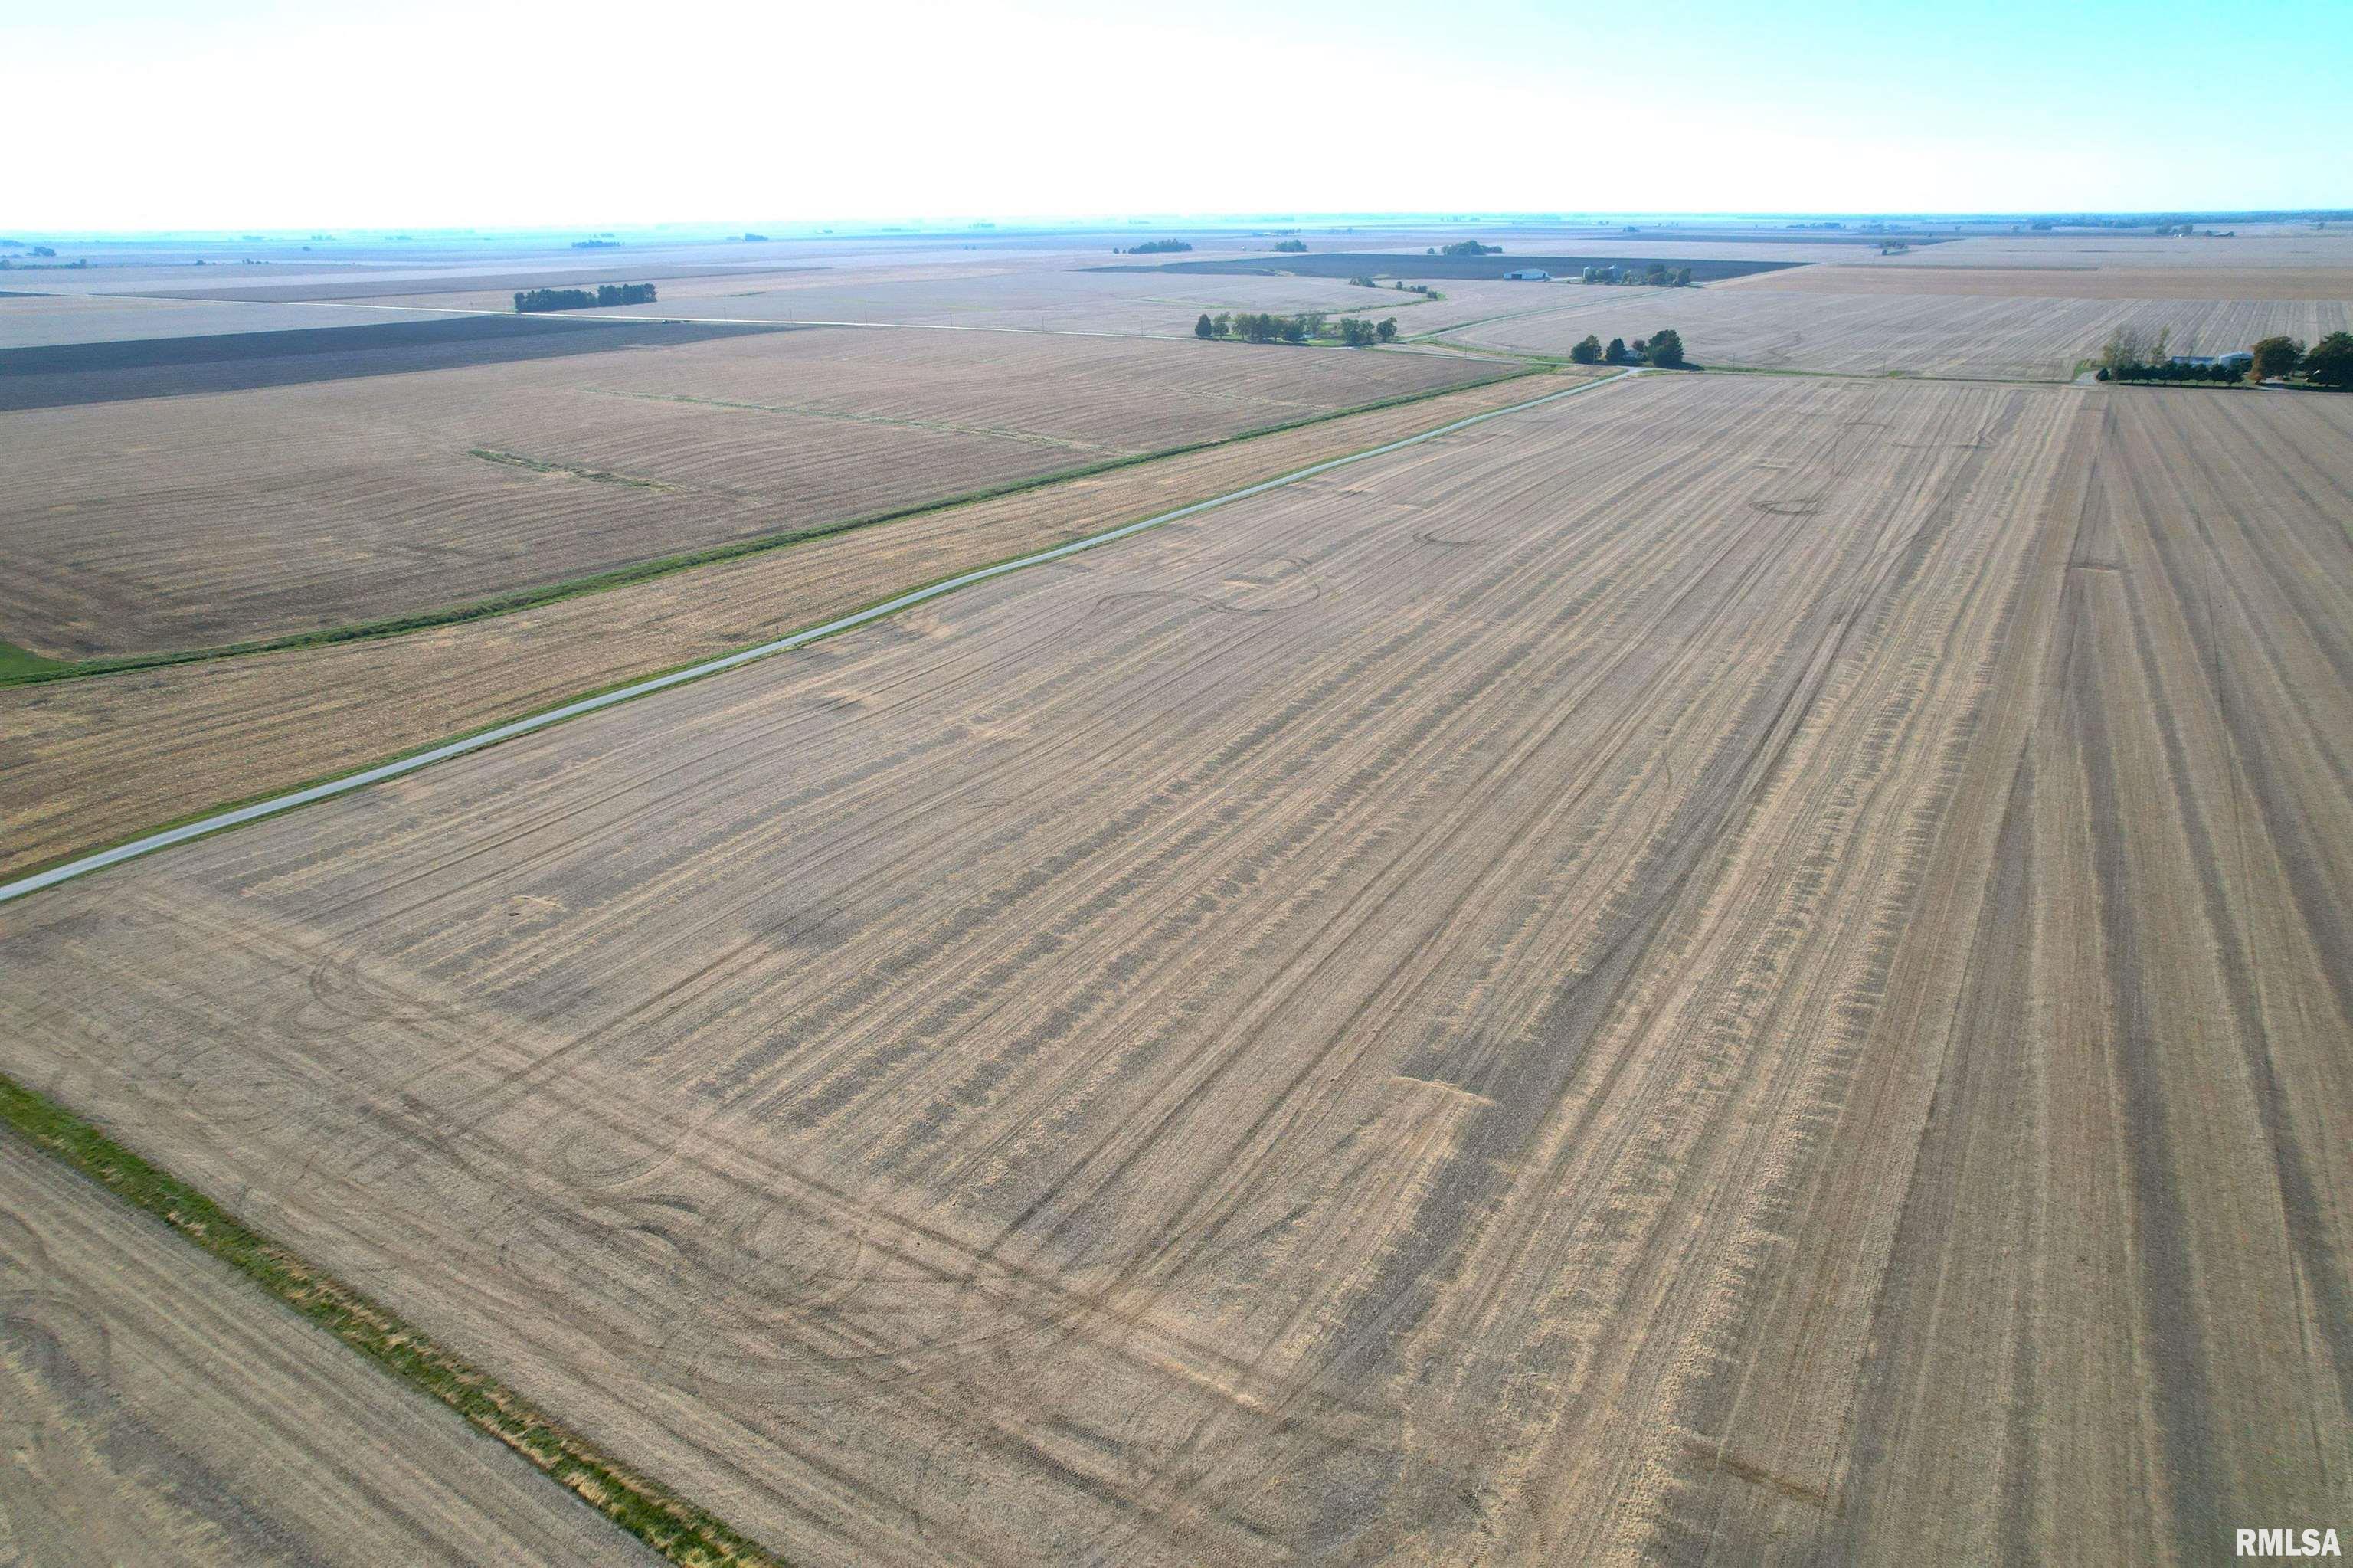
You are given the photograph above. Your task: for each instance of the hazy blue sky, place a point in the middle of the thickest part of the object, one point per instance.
(240, 114)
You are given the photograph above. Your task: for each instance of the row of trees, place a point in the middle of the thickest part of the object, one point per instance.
(1465, 248)
(1157, 247)
(2173, 370)
(1256, 327)
(534, 299)
(1664, 349)
(1656, 275)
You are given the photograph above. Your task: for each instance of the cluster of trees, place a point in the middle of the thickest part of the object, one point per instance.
(1255, 327)
(1656, 275)
(601, 243)
(1295, 246)
(1465, 248)
(1664, 349)
(1156, 247)
(2328, 363)
(2134, 354)
(534, 299)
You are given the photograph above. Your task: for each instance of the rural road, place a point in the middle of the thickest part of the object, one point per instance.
(277, 804)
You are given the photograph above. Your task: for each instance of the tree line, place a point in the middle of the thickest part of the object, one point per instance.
(1664, 349)
(1306, 327)
(1656, 275)
(534, 299)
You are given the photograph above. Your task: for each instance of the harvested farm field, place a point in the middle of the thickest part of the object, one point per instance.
(154, 1416)
(2084, 282)
(99, 759)
(142, 527)
(1727, 970)
(1402, 264)
(1878, 333)
(1143, 304)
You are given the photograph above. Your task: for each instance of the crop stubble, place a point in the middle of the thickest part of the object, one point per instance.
(154, 1409)
(93, 760)
(1738, 970)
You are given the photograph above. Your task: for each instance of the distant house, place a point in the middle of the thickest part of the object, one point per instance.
(2242, 360)
(1529, 275)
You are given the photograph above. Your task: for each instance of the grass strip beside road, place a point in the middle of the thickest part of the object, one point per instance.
(672, 1526)
(20, 667)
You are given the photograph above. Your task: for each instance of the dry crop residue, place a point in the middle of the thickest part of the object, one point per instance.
(94, 761)
(1740, 970)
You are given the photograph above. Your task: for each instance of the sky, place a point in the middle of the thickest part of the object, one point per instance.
(142, 114)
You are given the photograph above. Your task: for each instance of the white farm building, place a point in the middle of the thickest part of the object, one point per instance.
(1529, 275)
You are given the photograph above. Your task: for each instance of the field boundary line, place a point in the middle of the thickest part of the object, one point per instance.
(273, 806)
(672, 1526)
(22, 667)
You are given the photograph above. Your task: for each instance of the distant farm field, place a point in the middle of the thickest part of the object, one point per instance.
(1740, 969)
(1401, 264)
(1876, 332)
(134, 526)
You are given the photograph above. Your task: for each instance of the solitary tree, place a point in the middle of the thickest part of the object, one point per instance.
(1387, 331)
(1587, 351)
(1615, 352)
(2329, 362)
(1205, 327)
(2275, 356)
(1667, 349)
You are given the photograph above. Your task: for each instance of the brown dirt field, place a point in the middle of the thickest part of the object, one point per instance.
(1737, 969)
(144, 526)
(1916, 334)
(86, 762)
(2330, 284)
(153, 1408)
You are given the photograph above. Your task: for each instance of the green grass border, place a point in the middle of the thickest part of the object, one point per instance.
(20, 664)
(674, 1528)
(28, 668)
